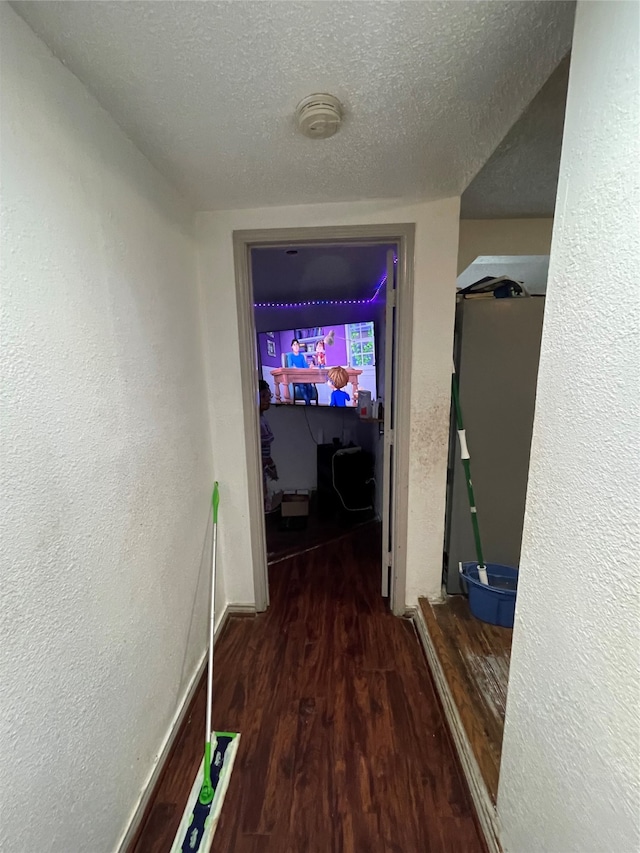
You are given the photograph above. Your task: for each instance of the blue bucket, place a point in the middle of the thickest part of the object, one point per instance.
(495, 603)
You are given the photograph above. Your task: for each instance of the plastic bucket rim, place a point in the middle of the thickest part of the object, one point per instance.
(494, 590)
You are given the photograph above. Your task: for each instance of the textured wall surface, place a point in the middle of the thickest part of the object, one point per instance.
(297, 431)
(208, 90)
(106, 467)
(502, 237)
(435, 259)
(569, 779)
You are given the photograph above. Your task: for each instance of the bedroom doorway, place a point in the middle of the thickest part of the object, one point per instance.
(291, 331)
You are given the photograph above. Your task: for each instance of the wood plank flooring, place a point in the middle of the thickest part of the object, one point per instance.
(344, 745)
(318, 531)
(475, 659)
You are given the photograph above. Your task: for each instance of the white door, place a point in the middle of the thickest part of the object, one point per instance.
(389, 415)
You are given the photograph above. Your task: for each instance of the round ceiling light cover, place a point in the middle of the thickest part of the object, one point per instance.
(319, 116)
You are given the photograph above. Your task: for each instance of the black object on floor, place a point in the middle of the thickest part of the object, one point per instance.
(346, 486)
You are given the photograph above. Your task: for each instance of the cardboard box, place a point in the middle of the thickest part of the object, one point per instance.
(294, 504)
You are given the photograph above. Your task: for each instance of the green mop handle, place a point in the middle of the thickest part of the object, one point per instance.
(466, 464)
(207, 792)
(215, 501)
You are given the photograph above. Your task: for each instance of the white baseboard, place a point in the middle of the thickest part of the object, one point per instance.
(484, 806)
(174, 729)
(240, 610)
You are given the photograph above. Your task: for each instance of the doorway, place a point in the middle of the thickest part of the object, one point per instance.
(392, 347)
(320, 310)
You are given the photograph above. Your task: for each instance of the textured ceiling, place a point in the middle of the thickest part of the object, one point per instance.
(207, 90)
(317, 272)
(521, 177)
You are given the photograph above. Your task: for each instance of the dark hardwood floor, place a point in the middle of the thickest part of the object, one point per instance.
(344, 746)
(317, 531)
(474, 657)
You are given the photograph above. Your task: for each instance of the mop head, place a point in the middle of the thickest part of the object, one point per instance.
(198, 824)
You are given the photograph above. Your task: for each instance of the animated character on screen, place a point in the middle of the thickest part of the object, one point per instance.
(298, 359)
(338, 377)
(320, 356)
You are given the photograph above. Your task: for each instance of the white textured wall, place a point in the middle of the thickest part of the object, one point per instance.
(570, 780)
(502, 237)
(435, 273)
(106, 466)
(297, 430)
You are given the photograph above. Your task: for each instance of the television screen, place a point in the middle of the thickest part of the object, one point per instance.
(324, 366)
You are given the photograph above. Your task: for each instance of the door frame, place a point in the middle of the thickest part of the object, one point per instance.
(403, 235)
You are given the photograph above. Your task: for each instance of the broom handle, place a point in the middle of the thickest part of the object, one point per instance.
(466, 464)
(215, 501)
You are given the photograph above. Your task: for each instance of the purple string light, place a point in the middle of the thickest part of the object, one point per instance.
(327, 301)
(312, 302)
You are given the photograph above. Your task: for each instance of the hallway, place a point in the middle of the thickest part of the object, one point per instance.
(344, 746)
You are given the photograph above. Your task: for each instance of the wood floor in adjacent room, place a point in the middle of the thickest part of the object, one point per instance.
(474, 658)
(344, 746)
